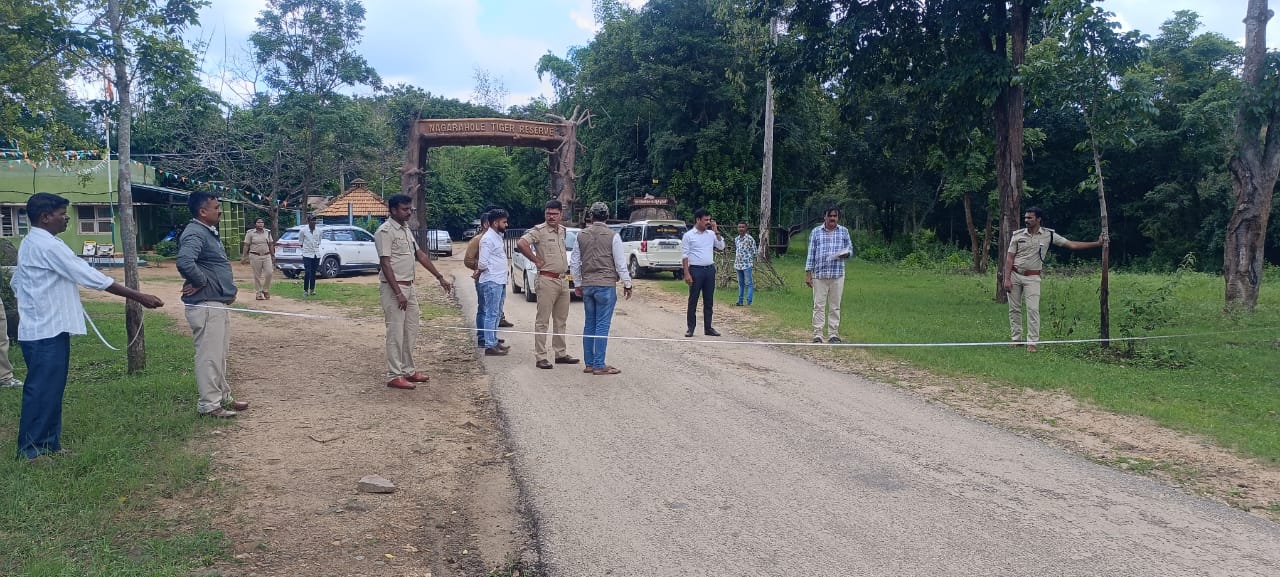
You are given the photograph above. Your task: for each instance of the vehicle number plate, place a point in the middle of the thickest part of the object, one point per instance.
(667, 244)
(290, 250)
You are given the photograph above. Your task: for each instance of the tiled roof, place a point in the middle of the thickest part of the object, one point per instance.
(363, 203)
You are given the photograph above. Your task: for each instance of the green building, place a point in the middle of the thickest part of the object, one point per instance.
(95, 205)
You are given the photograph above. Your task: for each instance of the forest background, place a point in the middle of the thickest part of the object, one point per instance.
(899, 136)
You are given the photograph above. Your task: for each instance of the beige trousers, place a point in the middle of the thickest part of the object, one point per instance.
(553, 306)
(261, 273)
(6, 368)
(402, 329)
(1025, 287)
(211, 327)
(827, 293)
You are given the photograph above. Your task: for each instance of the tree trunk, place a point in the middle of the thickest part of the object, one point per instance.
(973, 233)
(1254, 167)
(412, 172)
(137, 345)
(766, 173)
(986, 245)
(1008, 132)
(1104, 307)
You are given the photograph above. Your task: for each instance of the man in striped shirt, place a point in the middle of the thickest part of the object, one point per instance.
(46, 286)
(829, 247)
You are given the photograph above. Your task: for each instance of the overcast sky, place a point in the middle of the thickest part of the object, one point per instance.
(438, 44)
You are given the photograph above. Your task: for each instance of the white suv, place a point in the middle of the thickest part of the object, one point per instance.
(653, 245)
(343, 248)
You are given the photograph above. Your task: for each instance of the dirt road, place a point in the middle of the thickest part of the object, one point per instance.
(712, 459)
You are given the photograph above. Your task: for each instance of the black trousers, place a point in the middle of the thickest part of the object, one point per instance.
(309, 275)
(704, 283)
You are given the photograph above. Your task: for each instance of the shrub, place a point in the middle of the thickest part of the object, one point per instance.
(918, 259)
(166, 248)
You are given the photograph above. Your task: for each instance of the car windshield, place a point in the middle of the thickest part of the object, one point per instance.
(290, 235)
(664, 232)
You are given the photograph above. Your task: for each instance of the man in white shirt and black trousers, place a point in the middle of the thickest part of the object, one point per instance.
(46, 285)
(699, 269)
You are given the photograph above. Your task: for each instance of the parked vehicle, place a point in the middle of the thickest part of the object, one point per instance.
(524, 274)
(471, 231)
(439, 243)
(653, 245)
(343, 249)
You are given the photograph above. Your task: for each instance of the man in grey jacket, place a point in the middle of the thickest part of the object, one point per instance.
(209, 288)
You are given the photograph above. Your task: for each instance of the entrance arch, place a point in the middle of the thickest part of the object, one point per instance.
(558, 139)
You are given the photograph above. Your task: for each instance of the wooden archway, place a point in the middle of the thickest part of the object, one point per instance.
(558, 139)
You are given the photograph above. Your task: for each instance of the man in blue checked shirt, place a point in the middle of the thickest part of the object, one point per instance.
(829, 248)
(744, 261)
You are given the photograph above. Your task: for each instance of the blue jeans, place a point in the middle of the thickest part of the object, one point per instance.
(40, 426)
(479, 314)
(746, 284)
(597, 303)
(493, 297)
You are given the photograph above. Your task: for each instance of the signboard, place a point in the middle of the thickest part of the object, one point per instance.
(491, 131)
(647, 202)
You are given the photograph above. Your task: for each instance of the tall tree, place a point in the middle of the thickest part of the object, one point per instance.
(41, 50)
(309, 50)
(145, 41)
(1254, 162)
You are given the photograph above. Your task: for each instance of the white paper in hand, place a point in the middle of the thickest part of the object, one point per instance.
(842, 254)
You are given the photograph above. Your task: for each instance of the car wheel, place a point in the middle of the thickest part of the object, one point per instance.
(529, 295)
(290, 273)
(515, 288)
(330, 267)
(633, 268)
(679, 275)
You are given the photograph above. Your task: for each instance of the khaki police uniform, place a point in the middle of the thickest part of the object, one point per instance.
(396, 241)
(552, 288)
(6, 368)
(1029, 251)
(259, 246)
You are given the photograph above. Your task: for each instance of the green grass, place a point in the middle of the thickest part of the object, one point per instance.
(1226, 386)
(95, 512)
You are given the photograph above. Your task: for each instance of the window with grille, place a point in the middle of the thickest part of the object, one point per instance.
(94, 219)
(13, 221)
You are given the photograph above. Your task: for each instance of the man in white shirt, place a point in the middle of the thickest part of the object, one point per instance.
(45, 285)
(492, 272)
(700, 242)
(309, 236)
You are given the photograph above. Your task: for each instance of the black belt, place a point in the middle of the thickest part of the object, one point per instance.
(701, 265)
(259, 253)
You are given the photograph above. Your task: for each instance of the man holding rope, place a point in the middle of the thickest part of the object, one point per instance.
(45, 285)
(1023, 264)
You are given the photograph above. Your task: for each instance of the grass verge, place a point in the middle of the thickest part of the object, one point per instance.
(362, 296)
(95, 512)
(1224, 386)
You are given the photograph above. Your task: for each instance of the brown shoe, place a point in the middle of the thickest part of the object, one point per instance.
(220, 413)
(607, 370)
(495, 352)
(504, 323)
(502, 347)
(417, 378)
(567, 360)
(543, 364)
(1031, 348)
(401, 383)
(239, 405)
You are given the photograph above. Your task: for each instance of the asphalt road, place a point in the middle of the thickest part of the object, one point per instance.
(706, 459)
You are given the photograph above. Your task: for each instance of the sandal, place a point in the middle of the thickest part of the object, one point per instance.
(588, 369)
(607, 370)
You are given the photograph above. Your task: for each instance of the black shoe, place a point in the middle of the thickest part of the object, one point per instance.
(834, 340)
(688, 333)
(504, 323)
(712, 333)
(817, 339)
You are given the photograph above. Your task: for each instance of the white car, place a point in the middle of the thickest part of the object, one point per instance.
(343, 249)
(524, 274)
(439, 243)
(654, 245)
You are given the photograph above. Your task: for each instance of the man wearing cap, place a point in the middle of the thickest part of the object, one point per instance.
(544, 246)
(398, 251)
(1023, 264)
(598, 262)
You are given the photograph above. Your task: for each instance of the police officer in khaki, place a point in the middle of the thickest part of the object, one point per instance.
(397, 251)
(548, 240)
(259, 250)
(1023, 264)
